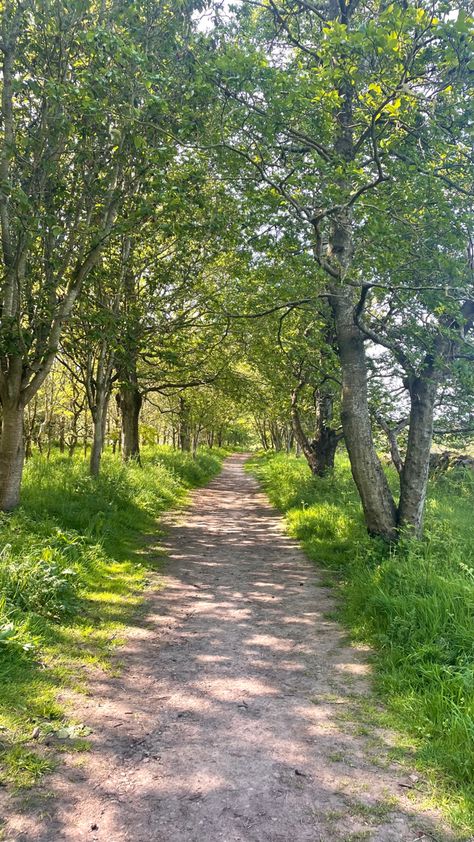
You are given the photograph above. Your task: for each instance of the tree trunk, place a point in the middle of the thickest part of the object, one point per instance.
(414, 476)
(11, 455)
(300, 435)
(28, 447)
(130, 403)
(97, 447)
(98, 434)
(85, 437)
(320, 452)
(377, 501)
(275, 435)
(72, 444)
(184, 430)
(324, 448)
(391, 433)
(62, 432)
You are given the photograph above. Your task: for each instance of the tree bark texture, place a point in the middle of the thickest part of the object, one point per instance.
(377, 501)
(99, 416)
(12, 455)
(414, 476)
(130, 403)
(320, 452)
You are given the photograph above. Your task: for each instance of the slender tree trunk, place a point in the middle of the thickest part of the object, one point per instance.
(300, 435)
(97, 447)
(98, 434)
(184, 431)
(11, 455)
(117, 436)
(28, 447)
(196, 435)
(276, 437)
(391, 433)
(85, 438)
(62, 429)
(29, 426)
(49, 438)
(414, 475)
(377, 501)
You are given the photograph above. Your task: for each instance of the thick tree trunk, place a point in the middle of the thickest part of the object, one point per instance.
(320, 452)
(414, 476)
(11, 455)
(326, 440)
(130, 403)
(325, 450)
(377, 501)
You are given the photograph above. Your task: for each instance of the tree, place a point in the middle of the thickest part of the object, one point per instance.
(330, 107)
(86, 91)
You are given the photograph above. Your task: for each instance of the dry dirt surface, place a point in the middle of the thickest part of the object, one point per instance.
(234, 716)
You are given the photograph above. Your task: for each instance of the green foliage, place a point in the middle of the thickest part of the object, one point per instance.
(413, 603)
(24, 767)
(71, 570)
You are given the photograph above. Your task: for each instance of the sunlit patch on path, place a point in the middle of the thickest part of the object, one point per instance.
(232, 717)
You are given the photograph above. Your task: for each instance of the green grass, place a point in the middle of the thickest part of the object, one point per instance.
(73, 562)
(413, 603)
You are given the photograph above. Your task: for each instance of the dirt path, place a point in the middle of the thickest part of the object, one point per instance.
(234, 716)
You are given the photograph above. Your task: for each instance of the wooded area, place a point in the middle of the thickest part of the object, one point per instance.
(239, 228)
(218, 221)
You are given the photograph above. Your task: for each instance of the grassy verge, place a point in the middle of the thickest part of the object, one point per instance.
(414, 604)
(72, 568)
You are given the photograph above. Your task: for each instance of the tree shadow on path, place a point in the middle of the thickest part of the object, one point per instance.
(235, 715)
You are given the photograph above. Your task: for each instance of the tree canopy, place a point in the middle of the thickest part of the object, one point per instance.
(248, 225)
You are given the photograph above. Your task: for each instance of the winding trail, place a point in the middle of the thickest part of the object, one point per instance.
(237, 714)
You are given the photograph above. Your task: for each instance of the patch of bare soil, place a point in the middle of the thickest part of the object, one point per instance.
(233, 716)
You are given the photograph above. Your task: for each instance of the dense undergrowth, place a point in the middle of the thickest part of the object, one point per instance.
(73, 561)
(413, 603)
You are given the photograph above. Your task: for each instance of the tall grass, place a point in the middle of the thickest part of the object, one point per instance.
(72, 564)
(414, 603)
